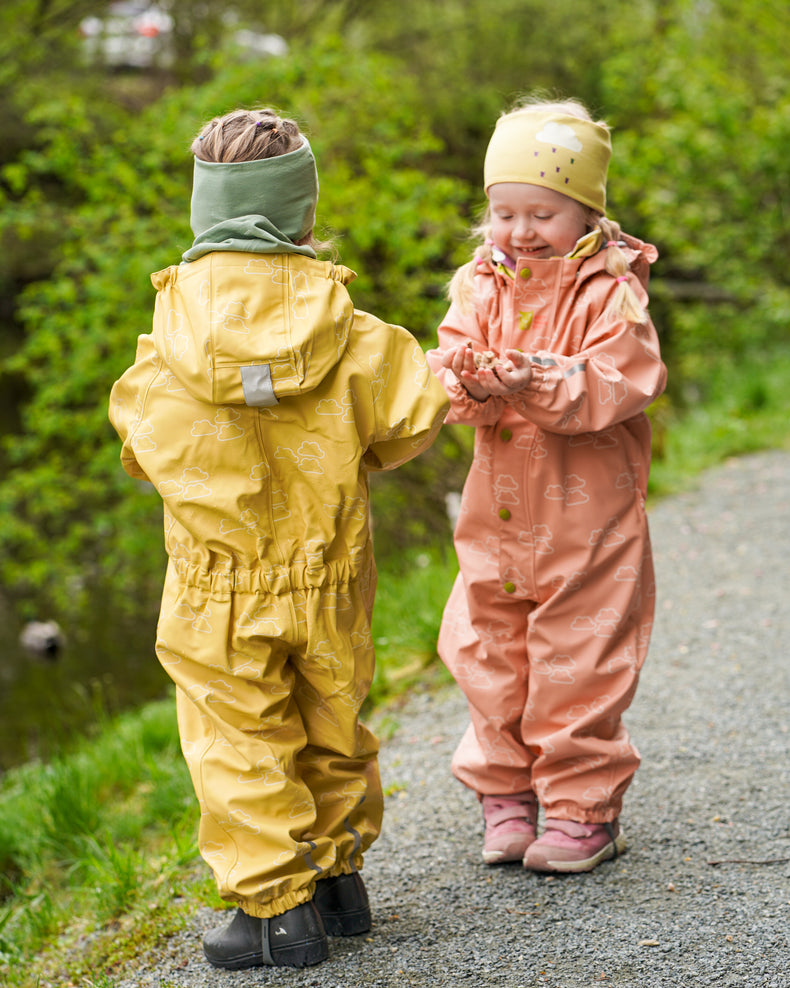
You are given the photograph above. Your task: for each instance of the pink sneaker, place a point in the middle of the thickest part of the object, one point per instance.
(511, 826)
(568, 846)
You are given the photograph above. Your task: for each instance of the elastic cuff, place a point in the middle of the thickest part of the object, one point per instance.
(583, 814)
(266, 910)
(543, 378)
(466, 395)
(345, 869)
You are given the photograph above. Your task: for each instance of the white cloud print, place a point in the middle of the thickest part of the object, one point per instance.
(560, 135)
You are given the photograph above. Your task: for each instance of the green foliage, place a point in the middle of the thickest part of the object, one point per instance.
(71, 523)
(472, 62)
(104, 831)
(702, 171)
(746, 408)
(406, 618)
(94, 188)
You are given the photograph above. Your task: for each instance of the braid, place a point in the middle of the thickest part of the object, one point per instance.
(625, 304)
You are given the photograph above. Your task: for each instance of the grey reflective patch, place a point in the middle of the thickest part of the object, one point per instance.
(308, 858)
(256, 380)
(357, 839)
(544, 361)
(576, 369)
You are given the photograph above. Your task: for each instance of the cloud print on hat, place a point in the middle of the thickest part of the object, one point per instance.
(560, 135)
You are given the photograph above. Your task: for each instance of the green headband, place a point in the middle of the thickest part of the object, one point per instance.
(273, 198)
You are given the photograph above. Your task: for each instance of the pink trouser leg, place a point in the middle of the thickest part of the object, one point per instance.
(547, 684)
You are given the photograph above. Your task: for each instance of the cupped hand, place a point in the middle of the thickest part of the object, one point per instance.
(508, 377)
(461, 361)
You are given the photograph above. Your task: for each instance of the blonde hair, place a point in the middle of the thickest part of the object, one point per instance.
(624, 304)
(248, 135)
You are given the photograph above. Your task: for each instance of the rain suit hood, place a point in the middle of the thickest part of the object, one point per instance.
(207, 339)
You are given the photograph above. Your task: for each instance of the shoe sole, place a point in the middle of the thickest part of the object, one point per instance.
(501, 857)
(298, 955)
(347, 924)
(586, 864)
(238, 963)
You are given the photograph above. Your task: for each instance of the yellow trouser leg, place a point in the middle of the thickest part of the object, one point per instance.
(268, 695)
(339, 763)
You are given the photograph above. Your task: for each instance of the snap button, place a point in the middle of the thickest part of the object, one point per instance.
(504, 514)
(524, 320)
(505, 435)
(509, 587)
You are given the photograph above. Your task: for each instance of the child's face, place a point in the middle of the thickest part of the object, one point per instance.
(530, 221)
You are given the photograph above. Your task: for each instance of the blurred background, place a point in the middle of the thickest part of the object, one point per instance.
(98, 105)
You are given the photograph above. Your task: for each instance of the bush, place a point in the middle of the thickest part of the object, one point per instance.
(73, 527)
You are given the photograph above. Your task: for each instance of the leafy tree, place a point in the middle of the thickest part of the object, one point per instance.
(701, 170)
(72, 525)
(471, 60)
(94, 191)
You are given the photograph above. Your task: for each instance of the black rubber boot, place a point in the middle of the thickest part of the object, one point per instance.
(294, 939)
(343, 904)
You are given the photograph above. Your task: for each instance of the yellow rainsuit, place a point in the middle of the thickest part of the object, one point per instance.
(256, 408)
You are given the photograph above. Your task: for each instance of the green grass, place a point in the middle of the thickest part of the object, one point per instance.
(97, 847)
(746, 408)
(98, 842)
(406, 622)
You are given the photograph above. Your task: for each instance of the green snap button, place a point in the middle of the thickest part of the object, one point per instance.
(505, 435)
(504, 514)
(526, 273)
(509, 587)
(524, 320)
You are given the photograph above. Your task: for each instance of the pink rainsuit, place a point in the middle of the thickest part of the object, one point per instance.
(549, 620)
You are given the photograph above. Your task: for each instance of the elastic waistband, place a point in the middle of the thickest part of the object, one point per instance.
(268, 580)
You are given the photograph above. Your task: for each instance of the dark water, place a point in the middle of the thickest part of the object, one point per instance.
(45, 704)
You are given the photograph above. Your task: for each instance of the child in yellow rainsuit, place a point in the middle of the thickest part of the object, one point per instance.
(256, 407)
(548, 352)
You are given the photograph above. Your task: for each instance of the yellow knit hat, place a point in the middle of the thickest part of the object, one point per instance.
(554, 150)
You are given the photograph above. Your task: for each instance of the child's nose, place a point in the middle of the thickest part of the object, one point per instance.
(522, 229)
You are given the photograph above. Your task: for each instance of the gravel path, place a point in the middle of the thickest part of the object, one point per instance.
(701, 898)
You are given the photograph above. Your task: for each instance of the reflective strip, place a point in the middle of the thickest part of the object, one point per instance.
(548, 362)
(308, 857)
(256, 380)
(357, 839)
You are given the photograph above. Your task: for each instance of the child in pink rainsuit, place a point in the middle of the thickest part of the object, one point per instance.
(548, 351)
